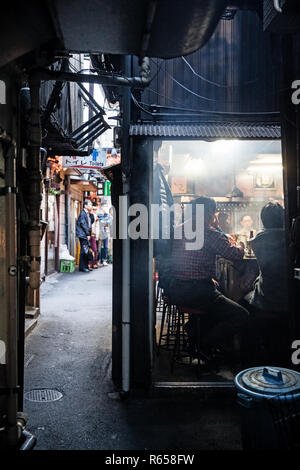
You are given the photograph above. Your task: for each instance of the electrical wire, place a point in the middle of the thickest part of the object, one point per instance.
(155, 75)
(188, 89)
(201, 111)
(223, 86)
(203, 78)
(139, 106)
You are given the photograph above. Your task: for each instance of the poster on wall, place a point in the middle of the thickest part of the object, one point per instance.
(264, 181)
(179, 186)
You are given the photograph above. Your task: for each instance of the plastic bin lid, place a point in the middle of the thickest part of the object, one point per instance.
(267, 381)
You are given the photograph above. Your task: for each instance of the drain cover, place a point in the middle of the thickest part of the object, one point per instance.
(43, 394)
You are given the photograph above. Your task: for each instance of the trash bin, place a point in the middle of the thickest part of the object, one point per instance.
(269, 403)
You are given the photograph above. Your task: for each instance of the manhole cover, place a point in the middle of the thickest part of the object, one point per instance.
(43, 394)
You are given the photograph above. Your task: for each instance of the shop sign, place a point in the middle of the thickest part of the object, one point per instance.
(104, 188)
(96, 160)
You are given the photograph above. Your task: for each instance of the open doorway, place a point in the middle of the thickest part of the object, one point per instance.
(241, 177)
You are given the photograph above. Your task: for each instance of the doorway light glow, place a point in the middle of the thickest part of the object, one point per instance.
(224, 147)
(195, 166)
(265, 163)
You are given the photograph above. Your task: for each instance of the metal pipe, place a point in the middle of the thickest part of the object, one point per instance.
(67, 211)
(277, 6)
(35, 182)
(30, 440)
(126, 272)
(109, 80)
(11, 293)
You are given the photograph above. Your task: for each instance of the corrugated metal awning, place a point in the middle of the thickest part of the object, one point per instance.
(208, 130)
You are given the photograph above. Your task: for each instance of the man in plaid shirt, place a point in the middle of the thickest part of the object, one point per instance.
(193, 284)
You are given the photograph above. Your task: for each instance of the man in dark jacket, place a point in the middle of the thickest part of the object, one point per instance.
(268, 301)
(270, 288)
(83, 232)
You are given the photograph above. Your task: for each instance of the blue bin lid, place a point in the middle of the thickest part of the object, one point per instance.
(265, 381)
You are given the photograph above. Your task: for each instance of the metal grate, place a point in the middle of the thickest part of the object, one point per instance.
(209, 130)
(43, 395)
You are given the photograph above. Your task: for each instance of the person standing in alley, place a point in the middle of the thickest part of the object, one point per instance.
(95, 231)
(83, 232)
(105, 220)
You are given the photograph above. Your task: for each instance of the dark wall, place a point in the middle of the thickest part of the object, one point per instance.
(237, 72)
(68, 113)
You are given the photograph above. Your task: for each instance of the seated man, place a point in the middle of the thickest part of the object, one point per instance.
(270, 289)
(193, 285)
(268, 301)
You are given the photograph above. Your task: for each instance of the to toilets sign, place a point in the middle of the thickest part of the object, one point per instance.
(96, 161)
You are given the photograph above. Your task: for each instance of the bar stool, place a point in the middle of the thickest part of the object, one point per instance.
(169, 313)
(195, 348)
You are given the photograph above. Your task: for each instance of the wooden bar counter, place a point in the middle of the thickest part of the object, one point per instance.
(236, 278)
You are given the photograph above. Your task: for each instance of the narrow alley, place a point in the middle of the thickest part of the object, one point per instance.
(69, 351)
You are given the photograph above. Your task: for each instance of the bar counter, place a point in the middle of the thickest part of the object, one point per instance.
(236, 278)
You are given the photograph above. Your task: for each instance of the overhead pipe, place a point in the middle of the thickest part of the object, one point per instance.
(108, 79)
(35, 182)
(277, 6)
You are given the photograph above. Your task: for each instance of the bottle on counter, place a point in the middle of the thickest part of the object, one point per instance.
(249, 248)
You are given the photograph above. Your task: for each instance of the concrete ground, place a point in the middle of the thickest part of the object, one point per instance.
(70, 351)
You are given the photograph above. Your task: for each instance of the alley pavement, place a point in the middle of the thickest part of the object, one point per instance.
(69, 351)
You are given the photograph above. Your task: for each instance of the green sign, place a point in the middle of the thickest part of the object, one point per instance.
(107, 186)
